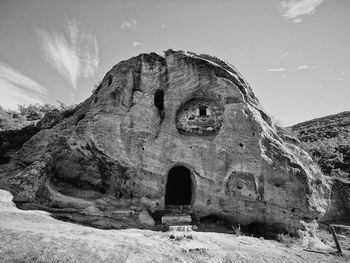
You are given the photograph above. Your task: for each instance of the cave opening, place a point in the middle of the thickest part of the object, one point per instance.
(159, 100)
(179, 187)
(159, 103)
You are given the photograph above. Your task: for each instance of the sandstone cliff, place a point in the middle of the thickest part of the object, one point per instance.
(178, 129)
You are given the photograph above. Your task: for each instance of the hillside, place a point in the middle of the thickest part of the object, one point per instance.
(328, 140)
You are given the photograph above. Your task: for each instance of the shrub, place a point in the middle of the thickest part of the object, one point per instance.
(35, 111)
(329, 154)
(30, 114)
(287, 239)
(237, 230)
(11, 120)
(339, 173)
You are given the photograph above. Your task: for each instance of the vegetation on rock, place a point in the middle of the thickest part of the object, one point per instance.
(28, 114)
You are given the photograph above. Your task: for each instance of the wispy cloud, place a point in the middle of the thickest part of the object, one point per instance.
(295, 10)
(135, 44)
(284, 55)
(163, 27)
(276, 69)
(73, 53)
(304, 67)
(292, 69)
(308, 67)
(17, 88)
(129, 24)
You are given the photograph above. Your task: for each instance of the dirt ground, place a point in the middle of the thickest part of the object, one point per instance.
(33, 236)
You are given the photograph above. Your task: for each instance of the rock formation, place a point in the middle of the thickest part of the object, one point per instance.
(178, 130)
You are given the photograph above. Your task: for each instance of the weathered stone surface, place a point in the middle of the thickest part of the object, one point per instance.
(6, 200)
(339, 204)
(146, 219)
(176, 220)
(117, 147)
(199, 117)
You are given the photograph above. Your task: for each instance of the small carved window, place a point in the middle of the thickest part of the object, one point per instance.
(203, 111)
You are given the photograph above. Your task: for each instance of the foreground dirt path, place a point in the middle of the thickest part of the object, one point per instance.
(33, 236)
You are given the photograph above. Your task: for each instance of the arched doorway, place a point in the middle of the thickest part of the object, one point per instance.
(179, 187)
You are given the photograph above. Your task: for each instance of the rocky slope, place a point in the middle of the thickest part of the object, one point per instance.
(163, 130)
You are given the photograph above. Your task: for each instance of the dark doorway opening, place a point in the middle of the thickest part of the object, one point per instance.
(159, 100)
(179, 187)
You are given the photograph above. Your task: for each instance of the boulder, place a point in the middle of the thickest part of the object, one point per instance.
(178, 129)
(146, 219)
(6, 200)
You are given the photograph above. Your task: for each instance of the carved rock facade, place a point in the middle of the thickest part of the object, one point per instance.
(159, 131)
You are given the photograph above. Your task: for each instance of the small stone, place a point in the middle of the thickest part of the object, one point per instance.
(92, 211)
(145, 218)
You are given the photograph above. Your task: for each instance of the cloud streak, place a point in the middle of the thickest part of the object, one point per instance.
(73, 53)
(276, 69)
(296, 10)
(135, 44)
(304, 67)
(292, 69)
(307, 67)
(129, 24)
(17, 88)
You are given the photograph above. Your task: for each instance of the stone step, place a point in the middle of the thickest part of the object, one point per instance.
(184, 207)
(176, 220)
(184, 228)
(177, 209)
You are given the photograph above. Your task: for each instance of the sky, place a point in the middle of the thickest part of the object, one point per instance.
(294, 53)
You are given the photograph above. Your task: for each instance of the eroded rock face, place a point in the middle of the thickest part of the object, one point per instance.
(152, 113)
(200, 117)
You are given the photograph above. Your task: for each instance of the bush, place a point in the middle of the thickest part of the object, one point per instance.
(35, 111)
(339, 173)
(329, 154)
(30, 114)
(287, 239)
(11, 120)
(237, 230)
